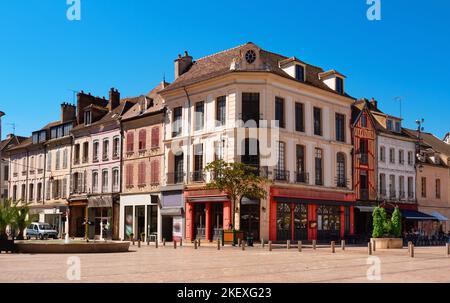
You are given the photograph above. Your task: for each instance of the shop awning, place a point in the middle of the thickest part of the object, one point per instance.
(100, 201)
(248, 201)
(439, 216)
(416, 215)
(365, 209)
(172, 211)
(208, 199)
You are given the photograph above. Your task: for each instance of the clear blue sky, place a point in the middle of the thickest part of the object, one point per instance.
(130, 45)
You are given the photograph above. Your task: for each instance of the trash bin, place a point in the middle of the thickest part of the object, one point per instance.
(250, 240)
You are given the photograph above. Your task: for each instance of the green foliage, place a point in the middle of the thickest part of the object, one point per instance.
(382, 227)
(378, 222)
(237, 180)
(396, 223)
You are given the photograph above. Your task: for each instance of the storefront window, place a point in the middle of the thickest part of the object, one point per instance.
(152, 219)
(283, 221)
(328, 217)
(300, 222)
(128, 219)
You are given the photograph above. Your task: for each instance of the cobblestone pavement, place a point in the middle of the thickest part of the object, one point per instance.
(231, 264)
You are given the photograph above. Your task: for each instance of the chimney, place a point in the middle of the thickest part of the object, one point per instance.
(374, 103)
(68, 112)
(9, 136)
(182, 64)
(114, 99)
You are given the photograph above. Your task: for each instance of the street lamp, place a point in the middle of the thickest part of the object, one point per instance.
(420, 129)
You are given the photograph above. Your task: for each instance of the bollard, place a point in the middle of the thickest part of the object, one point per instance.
(447, 245)
(288, 244)
(374, 245)
(198, 242)
(314, 244)
(174, 244)
(243, 245)
(409, 246)
(343, 244)
(262, 242)
(139, 243)
(132, 239)
(369, 248)
(195, 244)
(156, 243)
(181, 242)
(270, 245)
(411, 251)
(164, 242)
(299, 246)
(333, 244)
(148, 241)
(218, 244)
(239, 242)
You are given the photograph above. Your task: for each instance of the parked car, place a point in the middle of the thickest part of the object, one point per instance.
(41, 231)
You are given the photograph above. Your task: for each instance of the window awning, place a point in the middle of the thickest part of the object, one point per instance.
(439, 216)
(172, 211)
(416, 215)
(365, 209)
(100, 201)
(248, 201)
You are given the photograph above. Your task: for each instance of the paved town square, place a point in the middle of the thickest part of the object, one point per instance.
(231, 264)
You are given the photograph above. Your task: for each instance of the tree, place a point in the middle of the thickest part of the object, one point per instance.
(396, 220)
(237, 180)
(379, 217)
(6, 217)
(21, 219)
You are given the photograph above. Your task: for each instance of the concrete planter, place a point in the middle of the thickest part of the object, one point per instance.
(387, 243)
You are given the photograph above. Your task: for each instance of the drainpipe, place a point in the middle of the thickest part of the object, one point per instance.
(189, 134)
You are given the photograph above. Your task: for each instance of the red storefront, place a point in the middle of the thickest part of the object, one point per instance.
(310, 214)
(208, 212)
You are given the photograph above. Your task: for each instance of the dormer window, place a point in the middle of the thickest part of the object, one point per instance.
(340, 85)
(87, 117)
(389, 125)
(300, 73)
(398, 127)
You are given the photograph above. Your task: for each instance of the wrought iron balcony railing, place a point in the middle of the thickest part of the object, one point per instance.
(301, 177)
(175, 178)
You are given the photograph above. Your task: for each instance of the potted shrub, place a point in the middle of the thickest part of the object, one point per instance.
(386, 233)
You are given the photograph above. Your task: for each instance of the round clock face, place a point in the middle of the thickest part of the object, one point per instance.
(250, 56)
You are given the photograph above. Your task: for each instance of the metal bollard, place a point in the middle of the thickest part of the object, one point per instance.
(195, 244)
(374, 245)
(262, 242)
(239, 242)
(139, 243)
(409, 246)
(314, 243)
(447, 245)
(181, 242)
(218, 244)
(132, 239)
(164, 242)
(333, 244)
(156, 243)
(411, 250)
(174, 244)
(299, 246)
(270, 245)
(198, 242)
(343, 244)
(243, 245)
(288, 244)
(148, 241)
(369, 248)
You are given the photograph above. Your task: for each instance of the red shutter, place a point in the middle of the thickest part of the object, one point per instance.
(142, 139)
(155, 137)
(141, 174)
(130, 143)
(155, 172)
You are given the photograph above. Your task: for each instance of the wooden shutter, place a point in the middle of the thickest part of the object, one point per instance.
(155, 137)
(130, 142)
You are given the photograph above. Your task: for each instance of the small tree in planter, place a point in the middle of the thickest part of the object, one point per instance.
(396, 223)
(386, 231)
(21, 219)
(236, 180)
